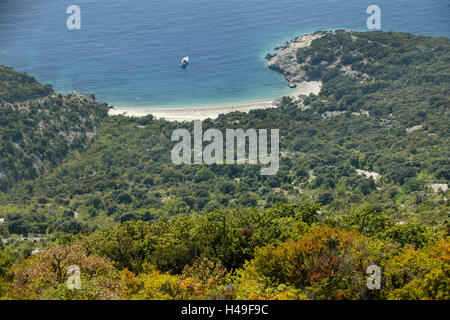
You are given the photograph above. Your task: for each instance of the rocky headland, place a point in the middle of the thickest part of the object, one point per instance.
(285, 59)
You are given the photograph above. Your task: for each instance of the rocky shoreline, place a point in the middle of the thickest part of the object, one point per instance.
(284, 60)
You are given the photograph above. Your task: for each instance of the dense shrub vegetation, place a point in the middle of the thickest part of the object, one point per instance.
(104, 194)
(39, 128)
(16, 86)
(283, 252)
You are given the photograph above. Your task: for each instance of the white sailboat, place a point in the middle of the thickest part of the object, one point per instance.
(185, 60)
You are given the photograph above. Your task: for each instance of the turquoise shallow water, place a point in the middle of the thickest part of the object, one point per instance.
(127, 52)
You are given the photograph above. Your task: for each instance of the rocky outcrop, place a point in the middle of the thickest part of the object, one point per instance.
(285, 60)
(82, 96)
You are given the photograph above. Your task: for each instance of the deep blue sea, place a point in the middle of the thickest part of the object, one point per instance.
(127, 52)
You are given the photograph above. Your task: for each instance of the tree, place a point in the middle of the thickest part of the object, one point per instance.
(44, 276)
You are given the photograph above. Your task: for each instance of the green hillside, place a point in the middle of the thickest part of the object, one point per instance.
(66, 168)
(38, 127)
(354, 124)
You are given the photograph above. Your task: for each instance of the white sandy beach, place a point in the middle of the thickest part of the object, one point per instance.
(202, 113)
